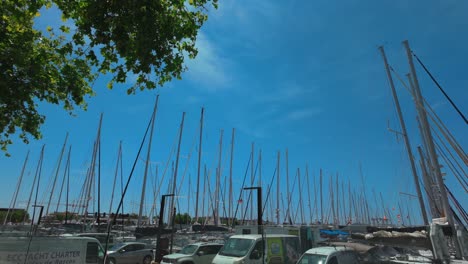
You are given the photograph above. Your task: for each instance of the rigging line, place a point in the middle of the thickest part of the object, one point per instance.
(164, 173)
(440, 88)
(290, 200)
(462, 211)
(114, 220)
(242, 188)
(435, 118)
(446, 133)
(41, 159)
(429, 197)
(268, 193)
(451, 155)
(455, 172)
(250, 193)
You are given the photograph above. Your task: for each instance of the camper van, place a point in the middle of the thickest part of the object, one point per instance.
(41, 250)
(248, 249)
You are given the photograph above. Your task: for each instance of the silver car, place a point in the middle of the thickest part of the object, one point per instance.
(130, 253)
(197, 253)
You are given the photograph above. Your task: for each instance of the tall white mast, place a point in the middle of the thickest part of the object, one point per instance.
(406, 139)
(148, 157)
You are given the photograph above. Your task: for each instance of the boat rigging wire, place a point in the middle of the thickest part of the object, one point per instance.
(438, 122)
(250, 195)
(268, 193)
(39, 171)
(126, 187)
(440, 88)
(242, 189)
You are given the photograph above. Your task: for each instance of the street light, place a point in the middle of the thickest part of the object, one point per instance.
(160, 224)
(259, 218)
(40, 214)
(259, 207)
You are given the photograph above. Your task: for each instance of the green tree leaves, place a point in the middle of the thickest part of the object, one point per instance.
(144, 38)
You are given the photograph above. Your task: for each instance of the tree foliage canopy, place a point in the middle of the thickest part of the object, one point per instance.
(145, 39)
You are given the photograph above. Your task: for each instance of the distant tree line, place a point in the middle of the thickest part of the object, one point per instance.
(14, 216)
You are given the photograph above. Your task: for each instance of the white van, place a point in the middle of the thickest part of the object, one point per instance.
(330, 255)
(57, 250)
(280, 249)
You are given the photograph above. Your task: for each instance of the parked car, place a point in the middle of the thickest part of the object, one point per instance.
(330, 255)
(130, 253)
(197, 253)
(249, 249)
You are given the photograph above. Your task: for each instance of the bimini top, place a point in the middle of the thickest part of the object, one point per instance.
(326, 250)
(257, 236)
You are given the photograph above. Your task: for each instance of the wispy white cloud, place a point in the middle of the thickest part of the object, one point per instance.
(285, 92)
(301, 114)
(208, 69)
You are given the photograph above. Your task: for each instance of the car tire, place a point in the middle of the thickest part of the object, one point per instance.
(187, 262)
(111, 261)
(147, 259)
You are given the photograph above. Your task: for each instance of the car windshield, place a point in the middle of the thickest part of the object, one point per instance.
(189, 250)
(236, 247)
(116, 247)
(313, 259)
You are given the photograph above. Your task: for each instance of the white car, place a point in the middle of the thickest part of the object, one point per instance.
(197, 253)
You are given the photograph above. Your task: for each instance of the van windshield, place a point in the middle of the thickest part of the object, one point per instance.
(313, 259)
(188, 250)
(236, 247)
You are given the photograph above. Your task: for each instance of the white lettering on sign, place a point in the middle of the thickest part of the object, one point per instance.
(54, 257)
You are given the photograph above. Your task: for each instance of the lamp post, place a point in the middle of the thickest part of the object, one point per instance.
(160, 224)
(259, 217)
(259, 207)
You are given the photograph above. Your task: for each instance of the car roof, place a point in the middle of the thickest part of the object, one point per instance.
(326, 250)
(206, 244)
(132, 243)
(257, 236)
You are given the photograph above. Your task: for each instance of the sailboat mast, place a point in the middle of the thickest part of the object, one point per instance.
(115, 180)
(405, 135)
(68, 184)
(204, 194)
(230, 179)
(39, 164)
(171, 208)
(308, 193)
(301, 207)
(218, 180)
(188, 199)
(56, 174)
(199, 167)
(260, 170)
(148, 157)
(321, 198)
(18, 186)
(63, 183)
(337, 201)
(250, 202)
(287, 186)
(332, 196)
(278, 189)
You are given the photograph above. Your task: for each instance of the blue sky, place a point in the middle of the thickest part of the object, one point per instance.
(302, 75)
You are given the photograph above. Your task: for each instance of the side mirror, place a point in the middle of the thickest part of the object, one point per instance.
(201, 253)
(122, 250)
(255, 254)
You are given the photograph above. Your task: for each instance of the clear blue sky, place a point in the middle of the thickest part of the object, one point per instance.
(302, 75)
